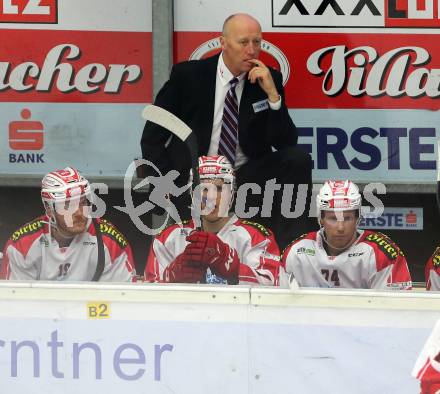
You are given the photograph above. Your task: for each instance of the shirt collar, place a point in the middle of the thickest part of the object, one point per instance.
(224, 74)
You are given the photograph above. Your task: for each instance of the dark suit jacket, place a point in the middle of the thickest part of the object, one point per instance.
(190, 94)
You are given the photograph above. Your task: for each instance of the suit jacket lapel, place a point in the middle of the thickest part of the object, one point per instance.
(207, 101)
(243, 112)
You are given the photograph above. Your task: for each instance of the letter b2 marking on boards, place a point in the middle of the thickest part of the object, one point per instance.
(98, 310)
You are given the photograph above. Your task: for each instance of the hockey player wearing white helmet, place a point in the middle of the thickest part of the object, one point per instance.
(340, 254)
(228, 250)
(65, 243)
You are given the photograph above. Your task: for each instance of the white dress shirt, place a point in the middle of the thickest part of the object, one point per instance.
(222, 86)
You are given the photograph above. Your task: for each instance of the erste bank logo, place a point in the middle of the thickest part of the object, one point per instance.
(356, 13)
(271, 55)
(394, 219)
(26, 135)
(28, 11)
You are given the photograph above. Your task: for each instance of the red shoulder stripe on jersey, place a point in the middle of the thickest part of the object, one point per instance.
(311, 235)
(385, 244)
(169, 229)
(109, 230)
(23, 238)
(263, 230)
(28, 229)
(115, 241)
(436, 258)
(423, 369)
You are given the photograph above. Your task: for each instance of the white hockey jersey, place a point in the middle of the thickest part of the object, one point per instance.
(32, 254)
(427, 367)
(432, 271)
(255, 245)
(372, 262)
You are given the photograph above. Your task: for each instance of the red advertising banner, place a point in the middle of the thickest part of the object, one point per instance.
(28, 11)
(336, 70)
(75, 66)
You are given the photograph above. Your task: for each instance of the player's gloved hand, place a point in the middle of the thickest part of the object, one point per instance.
(208, 250)
(182, 271)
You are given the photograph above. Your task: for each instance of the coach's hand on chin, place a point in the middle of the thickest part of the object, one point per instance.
(261, 74)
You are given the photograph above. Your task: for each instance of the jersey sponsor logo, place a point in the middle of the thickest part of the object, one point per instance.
(385, 244)
(263, 230)
(28, 11)
(436, 258)
(307, 251)
(356, 254)
(89, 243)
(27, 229)
(183, 231)
(108, 229)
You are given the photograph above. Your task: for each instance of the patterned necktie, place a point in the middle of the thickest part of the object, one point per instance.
(229, 133)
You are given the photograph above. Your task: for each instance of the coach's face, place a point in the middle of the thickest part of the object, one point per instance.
(241, 42)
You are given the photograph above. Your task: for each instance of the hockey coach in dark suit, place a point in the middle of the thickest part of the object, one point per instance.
(235, 105)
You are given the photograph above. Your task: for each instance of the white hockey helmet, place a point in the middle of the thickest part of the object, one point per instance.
(338, 196)
(63, 185)
(216, 167)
